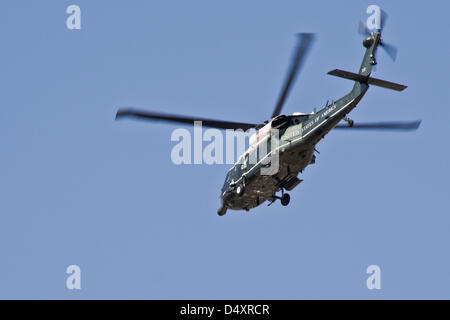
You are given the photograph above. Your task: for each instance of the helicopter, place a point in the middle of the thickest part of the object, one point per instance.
(246, 186)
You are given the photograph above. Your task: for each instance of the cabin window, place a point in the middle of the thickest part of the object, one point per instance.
(244, 165)
(299, 119)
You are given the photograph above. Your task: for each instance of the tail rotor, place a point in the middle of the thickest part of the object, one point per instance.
(390, 49)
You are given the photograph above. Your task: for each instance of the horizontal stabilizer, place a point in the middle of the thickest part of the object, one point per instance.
(369, 80)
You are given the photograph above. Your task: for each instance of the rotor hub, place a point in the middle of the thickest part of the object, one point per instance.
(368, 42)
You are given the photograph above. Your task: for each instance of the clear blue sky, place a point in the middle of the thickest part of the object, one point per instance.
(79, 188)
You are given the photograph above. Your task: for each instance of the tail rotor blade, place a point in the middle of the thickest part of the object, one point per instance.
(362, 29)
(390, 50)
(384, 17)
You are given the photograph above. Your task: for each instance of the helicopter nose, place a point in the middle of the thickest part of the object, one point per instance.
(227, 195)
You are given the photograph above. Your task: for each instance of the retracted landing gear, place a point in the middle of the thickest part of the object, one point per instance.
(284, 199)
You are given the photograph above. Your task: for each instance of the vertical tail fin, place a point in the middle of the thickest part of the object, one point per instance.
(371, 44)
(362, 79)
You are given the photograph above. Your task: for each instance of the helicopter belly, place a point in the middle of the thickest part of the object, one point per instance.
(259, 188)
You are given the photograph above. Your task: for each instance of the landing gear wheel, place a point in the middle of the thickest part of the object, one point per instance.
(240, 190)
(349, 121)
(285, 198)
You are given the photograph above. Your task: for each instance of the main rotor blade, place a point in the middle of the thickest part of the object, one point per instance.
(156, 116)
(304, 43)
(405, 126)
